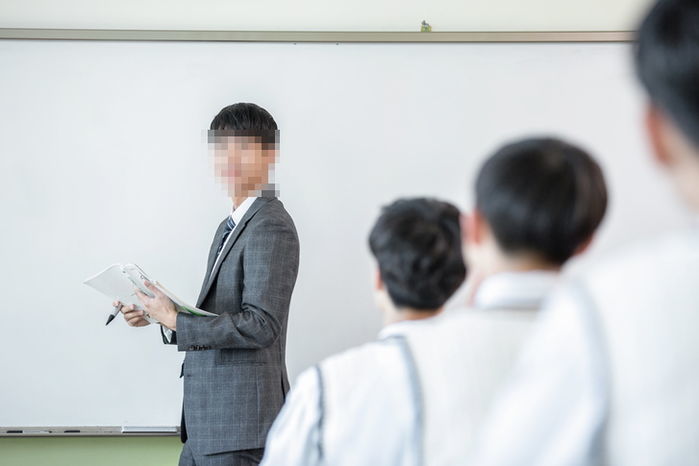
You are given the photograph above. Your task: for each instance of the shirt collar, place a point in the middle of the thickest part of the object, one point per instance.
(238, 213)
(401, 327)
(515, 290)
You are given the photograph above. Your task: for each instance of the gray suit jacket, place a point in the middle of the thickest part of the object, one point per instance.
(235, 378)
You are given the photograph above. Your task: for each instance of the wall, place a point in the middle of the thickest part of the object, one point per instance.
(141, 451)
(321, 15)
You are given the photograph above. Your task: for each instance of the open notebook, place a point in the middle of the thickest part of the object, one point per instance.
(120, 281)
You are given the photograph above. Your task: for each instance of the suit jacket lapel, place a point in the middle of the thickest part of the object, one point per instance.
(214, 246)
(212, 273)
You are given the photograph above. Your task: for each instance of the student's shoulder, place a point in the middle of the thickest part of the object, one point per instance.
(649, 271)
(373, 354)
(648, 260)
(473, 327)
(352, 372)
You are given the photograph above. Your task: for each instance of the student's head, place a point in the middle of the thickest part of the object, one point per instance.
(538, 202)
(417, 247)
(667, 63)
(244, 138)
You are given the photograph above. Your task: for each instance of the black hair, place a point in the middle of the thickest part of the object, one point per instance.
(541, 196)
(417, 244)
(667, 61)
(246, 119)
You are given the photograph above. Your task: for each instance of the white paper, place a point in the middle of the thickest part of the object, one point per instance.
(119, 282)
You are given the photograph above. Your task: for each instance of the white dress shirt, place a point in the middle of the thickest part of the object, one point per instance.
(464, 357)
(515, 290)
(237, 214)
(374, 404)
(610, 376)
(360, 410)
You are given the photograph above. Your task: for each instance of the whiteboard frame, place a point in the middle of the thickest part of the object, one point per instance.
(86, 431)
(311, 36)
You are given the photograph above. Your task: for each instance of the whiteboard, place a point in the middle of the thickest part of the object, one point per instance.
(103, 161)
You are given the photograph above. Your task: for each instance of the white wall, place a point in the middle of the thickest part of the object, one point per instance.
(103, 161)
(321, 15)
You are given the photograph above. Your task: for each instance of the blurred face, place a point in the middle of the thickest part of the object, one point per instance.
(676, 153)
(242, 165)
(477, 242)
(381, 298)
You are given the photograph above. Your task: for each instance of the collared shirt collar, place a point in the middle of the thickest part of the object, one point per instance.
(401, 327)
(238, 213)
(516, 290)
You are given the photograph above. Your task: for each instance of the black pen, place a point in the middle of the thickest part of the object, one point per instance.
(114, 313)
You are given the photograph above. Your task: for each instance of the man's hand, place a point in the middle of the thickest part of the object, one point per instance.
(159, 307)
(132, 316)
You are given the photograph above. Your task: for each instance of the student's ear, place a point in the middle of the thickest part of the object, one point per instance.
(378, 281)
(656, 128)
(472, 227)
(463, 223)
(584, 246)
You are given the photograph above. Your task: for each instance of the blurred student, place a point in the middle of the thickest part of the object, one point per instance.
(611, 374)
(362, 406)
(538, 203)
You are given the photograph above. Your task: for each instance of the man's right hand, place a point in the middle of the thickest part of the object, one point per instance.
(134, 317)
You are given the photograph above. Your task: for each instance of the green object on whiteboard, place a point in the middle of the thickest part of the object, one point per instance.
(425, 27)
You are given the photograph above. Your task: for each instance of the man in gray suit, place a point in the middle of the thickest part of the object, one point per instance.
(235, 378)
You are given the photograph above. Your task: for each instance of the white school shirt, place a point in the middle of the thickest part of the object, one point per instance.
(367, 405)
(237, 215)
(464, 356)
(610, 375)
(360, 411)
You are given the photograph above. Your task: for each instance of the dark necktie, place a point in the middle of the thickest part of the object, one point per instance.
(230, 224)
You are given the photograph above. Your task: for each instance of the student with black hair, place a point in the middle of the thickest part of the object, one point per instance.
(610, 376)
(538, 203)
(363, 406)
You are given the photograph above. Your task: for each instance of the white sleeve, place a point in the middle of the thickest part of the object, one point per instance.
(294, 439)
(552, 410)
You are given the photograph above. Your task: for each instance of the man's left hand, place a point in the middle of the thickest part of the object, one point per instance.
(160, 307)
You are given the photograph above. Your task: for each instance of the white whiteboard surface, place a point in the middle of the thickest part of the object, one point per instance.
(103, 161)
(323, 15)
